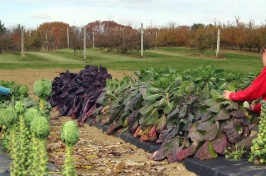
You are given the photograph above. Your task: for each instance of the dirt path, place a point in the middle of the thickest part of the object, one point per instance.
(107, 155)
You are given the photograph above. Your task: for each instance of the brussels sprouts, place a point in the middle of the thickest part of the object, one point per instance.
(40, 126)
(30, 114)
(70, 133)
(23, 90)
(7, 116)
(43, 88)
(190, 87)
(19, 107)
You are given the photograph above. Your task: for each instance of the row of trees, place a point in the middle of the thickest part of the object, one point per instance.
(125, 38)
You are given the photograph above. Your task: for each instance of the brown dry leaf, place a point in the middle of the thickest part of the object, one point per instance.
(120, 167)
(91, 156)
(102, 157)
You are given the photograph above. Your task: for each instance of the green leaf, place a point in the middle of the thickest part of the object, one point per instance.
(194, 134)
(215, 108)
(151, 118)
(146, 109)
(215, 94)
(183, 111)
(153, 90)
(168, 107)
(160, 103)
(245, 104)
(232, 105)
(210, 102)
(161, 123)
(152, 97)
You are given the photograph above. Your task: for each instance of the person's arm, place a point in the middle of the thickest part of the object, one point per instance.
(255, 108)
(256, 90)
(4, 90)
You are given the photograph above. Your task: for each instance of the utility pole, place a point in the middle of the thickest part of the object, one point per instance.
(218, 42)
(141, 45)
(67, 38)
(84, 42)
(22, 42)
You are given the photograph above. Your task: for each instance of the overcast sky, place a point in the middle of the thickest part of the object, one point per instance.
(32, 13)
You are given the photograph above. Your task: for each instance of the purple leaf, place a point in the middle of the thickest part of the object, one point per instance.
(231, 132)
(183, 154)
(206, 152)
(220, 143)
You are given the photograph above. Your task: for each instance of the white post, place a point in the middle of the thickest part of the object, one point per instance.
(218, 42)
(22, 42)
(67, 38)
(84, 42)
(156, 34)
(46, 42)
(93, 40)
(141, 46)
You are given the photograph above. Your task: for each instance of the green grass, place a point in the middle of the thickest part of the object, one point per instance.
(175, 57)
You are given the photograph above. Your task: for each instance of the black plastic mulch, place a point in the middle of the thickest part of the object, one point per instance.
(219, 166)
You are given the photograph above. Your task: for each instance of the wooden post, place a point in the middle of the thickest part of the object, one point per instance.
(22, 42)
(84, 42)
(141, 45)
(67, 38)
(218, 42)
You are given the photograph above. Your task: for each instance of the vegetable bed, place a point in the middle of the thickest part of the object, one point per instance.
(108, 160)
(185, 112)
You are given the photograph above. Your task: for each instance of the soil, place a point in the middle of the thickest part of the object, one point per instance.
(96, 153)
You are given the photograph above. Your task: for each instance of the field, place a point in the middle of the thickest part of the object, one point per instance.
(180, 58)
(38, 65)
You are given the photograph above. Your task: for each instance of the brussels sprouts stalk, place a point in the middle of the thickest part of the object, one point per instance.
(70, 136)
(24, 139)
(40, 130)
(258, 148)
(43, 89)
(8, 117)
(14, 152)
(69, 163)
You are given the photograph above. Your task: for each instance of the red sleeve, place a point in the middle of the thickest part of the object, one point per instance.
(257, 108)
(256, 90)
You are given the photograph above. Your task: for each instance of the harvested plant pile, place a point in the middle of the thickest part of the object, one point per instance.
(75, 93)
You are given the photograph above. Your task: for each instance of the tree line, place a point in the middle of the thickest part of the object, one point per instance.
(113, 36)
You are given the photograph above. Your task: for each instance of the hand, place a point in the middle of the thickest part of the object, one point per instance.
(226, 94)
(250, 108)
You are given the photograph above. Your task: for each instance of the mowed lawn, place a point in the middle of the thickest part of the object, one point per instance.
(179, 58)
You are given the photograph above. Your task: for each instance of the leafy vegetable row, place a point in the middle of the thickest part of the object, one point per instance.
(183, 111)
